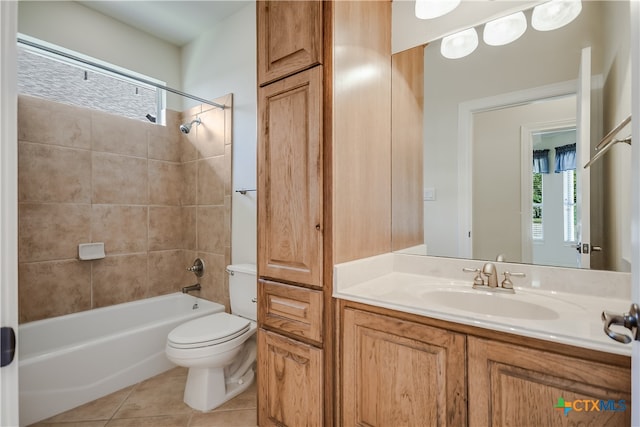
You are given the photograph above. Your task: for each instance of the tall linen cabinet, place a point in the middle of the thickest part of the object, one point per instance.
(324, 194)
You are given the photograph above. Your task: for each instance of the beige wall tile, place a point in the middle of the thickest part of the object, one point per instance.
(210, 223)
(47, 173)
(166, 226)
(190, 175)
(119, 279)
(119, 135)
(210, 141)
(188, 145)
(165, 142)
(119, 179)
(123, 229)
(189, 217)
(214, 287)
(49, 289)
(168, 272)
(211, 181)
(165, 183)
(227, 221)
(52, 231)
(49, 122)
(228, 169)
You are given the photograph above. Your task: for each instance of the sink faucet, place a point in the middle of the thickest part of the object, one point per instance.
(491, 273)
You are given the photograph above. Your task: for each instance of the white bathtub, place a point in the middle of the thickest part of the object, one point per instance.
(70, 360)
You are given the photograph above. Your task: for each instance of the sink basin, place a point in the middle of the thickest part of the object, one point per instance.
(502, 305)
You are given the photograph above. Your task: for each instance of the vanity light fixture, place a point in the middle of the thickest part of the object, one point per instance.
(504, 30)
(555, 14)
(429, 9)
(460, 44)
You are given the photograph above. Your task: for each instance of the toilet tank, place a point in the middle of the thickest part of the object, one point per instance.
(243, 289)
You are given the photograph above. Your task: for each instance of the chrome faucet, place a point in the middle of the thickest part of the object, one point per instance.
(191, 288)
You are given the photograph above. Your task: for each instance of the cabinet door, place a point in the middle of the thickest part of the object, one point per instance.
(516, 386)
(289, 38)
(290, 179)
(291, 310)
(400, 373)
(289, 382)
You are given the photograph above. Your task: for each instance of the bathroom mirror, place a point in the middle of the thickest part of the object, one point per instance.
(476, 206)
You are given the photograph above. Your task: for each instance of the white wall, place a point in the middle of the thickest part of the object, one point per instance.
(73, 26)
(220, 61)
(536, 59)
(617, 163)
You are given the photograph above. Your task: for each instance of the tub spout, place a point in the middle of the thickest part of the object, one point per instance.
(195, 287)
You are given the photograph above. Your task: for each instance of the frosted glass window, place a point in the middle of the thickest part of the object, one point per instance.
(43, 75)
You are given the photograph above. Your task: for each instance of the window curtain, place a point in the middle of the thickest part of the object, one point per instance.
(540, 161)
(565, 158)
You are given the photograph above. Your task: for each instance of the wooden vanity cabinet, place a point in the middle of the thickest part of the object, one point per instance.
(403, 369)
(289, 38)
(397, 372)
(511, 385)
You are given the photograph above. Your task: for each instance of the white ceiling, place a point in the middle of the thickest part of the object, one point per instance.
(177, 22)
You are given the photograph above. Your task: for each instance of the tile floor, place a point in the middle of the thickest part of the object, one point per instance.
(157, 402)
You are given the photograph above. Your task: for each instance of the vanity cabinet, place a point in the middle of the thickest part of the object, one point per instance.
(397, 372)
(514, 385)
(289, 38)
(404, 369)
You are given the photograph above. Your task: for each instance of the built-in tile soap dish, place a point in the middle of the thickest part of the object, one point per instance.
(89, 251)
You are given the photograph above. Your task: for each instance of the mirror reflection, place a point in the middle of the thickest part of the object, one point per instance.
(483, 118)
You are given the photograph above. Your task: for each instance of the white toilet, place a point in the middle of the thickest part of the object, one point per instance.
(219, 349)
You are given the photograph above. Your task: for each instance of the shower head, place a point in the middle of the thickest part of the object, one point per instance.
(186, 127)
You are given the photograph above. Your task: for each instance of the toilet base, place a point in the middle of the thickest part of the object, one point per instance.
(208, 388)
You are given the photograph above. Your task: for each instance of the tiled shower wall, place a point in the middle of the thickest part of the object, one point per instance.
(156, 198)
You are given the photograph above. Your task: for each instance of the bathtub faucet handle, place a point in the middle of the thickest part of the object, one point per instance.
(197, 268)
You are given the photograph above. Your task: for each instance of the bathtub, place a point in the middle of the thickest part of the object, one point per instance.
(70, 360)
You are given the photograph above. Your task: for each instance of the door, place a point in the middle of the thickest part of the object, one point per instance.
(9, 207)
(290, 179)
(583, 153)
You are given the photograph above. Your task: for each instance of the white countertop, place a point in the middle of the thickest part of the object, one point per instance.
(390, 281)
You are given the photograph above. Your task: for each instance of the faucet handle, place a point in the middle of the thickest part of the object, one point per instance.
(477, 280)
(507, 283)
(197, 268)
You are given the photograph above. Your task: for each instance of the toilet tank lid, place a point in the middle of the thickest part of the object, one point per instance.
(242, 268)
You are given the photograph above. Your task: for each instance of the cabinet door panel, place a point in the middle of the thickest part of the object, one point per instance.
(397, 372)
(514, 386)
(289, 37)
(289, 381)
(291, 309)
(290, 179)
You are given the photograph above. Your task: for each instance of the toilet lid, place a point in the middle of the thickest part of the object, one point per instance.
(208, 330)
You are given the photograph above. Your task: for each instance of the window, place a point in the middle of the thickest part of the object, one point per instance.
(45, 74)
(570, 214)
(536, 226)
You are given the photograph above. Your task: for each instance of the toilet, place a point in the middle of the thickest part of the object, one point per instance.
(219, 349)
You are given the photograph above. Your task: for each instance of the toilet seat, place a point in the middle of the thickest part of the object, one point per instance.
(208, 331)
